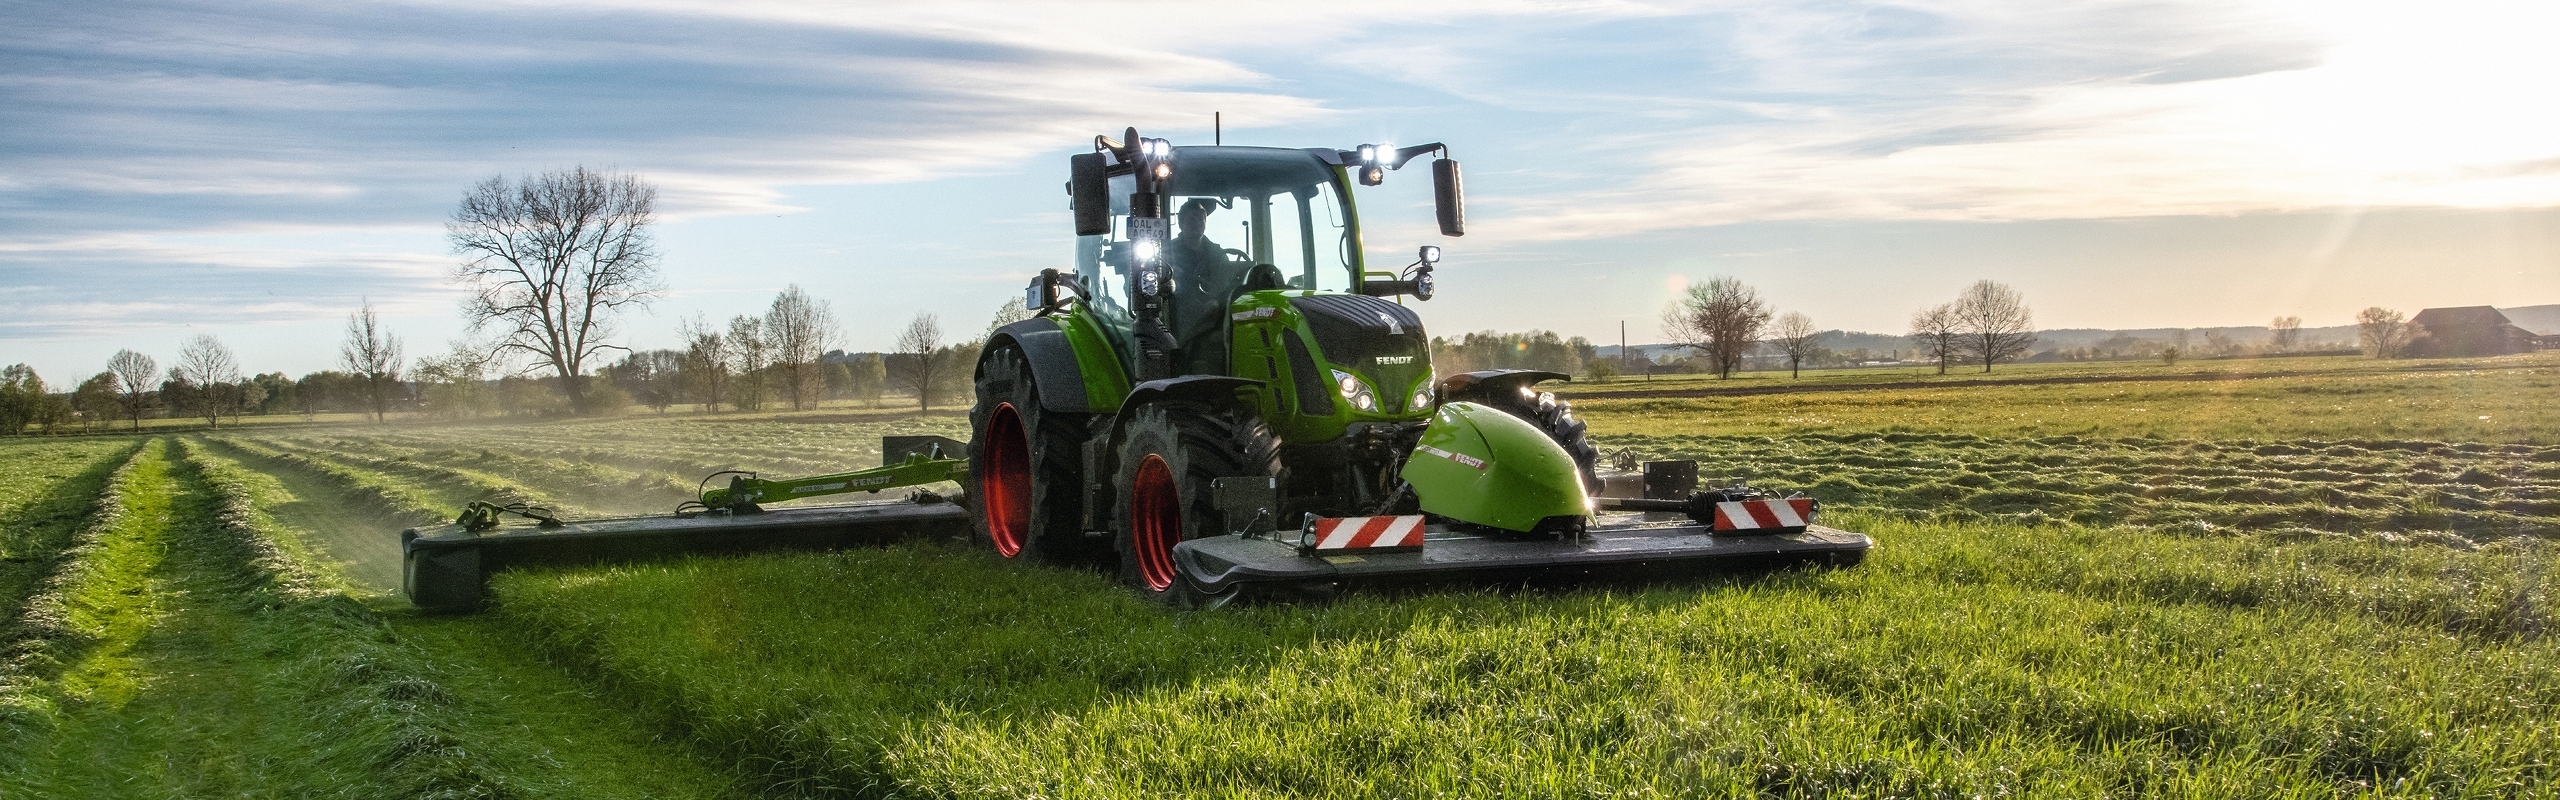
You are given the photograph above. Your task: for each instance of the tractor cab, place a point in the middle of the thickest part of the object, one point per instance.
(1241, 220)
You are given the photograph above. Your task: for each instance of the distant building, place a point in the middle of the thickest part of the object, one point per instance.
(2467, 331)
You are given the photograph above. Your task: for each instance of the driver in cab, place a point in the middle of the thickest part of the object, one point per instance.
(1205, 281)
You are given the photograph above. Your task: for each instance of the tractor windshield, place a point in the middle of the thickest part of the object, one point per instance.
(1243, 218)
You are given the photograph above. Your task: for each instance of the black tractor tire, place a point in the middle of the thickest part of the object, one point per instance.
(1025, 468)
(1168, 456)
(1556, 417)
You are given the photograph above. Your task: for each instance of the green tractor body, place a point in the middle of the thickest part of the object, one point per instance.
(1224, 362)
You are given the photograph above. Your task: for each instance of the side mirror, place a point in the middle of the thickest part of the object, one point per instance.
(1448, 197)
(1090, 191)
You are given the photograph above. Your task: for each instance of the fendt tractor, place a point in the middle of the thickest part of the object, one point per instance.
(1222, 393)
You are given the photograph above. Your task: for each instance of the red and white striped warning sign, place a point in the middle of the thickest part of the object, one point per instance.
(1368, 533)
(1764, 515)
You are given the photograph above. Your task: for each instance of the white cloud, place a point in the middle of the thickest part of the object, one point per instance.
(2400, 107)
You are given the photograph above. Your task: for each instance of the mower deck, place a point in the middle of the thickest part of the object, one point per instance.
(448, 567)
(1617, 546)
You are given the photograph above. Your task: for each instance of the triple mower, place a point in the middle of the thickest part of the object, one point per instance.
(1218, 418)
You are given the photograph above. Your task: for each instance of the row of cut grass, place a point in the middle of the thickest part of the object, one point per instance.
(2482, 492)
(1962, 660)
(79, 604)
(2472, 400)
(48, 489)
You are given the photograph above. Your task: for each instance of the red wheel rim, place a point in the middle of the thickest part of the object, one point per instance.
(1006, 483)
(1155, 522)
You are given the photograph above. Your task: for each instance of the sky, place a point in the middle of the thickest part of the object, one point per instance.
(258, 170)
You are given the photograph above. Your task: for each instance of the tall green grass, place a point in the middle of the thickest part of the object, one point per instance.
(1962, 660)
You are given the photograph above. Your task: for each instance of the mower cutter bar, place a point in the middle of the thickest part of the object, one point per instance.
(1615, 549)
(448, 567)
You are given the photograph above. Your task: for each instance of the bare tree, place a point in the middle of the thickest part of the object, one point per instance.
(135, 376)
(1721, 318)
(799, 328)
(915, 364)
(1935, 329)
(372, 354)
(2381, 333)
(2285, 333)
(706, 362)
(749, 353)
(1995, 323)
(208, 364)
(553, 259)
(1795, 337)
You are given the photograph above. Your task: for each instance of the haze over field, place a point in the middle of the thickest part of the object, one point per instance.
(257, 170)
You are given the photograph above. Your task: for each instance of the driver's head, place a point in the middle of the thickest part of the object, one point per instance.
(1194, 219)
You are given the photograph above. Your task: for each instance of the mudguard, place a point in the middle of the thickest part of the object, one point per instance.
(1211, 389)
(1477, 464)
(1053, 363)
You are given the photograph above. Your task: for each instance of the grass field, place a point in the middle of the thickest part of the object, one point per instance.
(2287, 578)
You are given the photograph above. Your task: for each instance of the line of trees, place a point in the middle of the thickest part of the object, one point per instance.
(1989, 323)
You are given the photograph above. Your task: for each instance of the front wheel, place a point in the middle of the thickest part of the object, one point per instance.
(1024, 471)
(1169, 455)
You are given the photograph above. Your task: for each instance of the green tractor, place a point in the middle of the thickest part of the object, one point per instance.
(1225, 391)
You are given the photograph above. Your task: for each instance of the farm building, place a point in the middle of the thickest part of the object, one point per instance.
(2467, 331)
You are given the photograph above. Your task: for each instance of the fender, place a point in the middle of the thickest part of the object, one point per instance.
(1053, 363)
(1485, 383)
(1210, 389)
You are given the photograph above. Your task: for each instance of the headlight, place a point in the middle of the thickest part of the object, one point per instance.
(1421, 398)
(1355, 391)
(1148, 282)
(1146, 249)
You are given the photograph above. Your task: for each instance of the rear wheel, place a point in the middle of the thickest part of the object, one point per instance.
(1169, 455)
(1024, 468)
(1554, 416)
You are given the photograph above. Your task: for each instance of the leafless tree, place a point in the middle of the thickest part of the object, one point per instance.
(372, 355)
(706, 362)
(1720, 318)
(800, 328)
(916, 363)
(1935, 329)
(553, 259)
(209, 364)
(1795, 337)
(1996, 323)
(750, 351)
(136, 374)
(2381, 332)
(2285, 333)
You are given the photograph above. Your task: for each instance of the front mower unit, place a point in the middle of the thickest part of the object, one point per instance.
(1618, 546)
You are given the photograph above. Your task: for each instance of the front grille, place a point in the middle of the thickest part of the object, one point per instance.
(1356, 332)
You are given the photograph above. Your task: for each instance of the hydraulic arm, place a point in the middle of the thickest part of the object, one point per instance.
(928, 460)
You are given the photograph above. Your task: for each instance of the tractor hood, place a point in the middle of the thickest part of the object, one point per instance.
(1480, 465)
